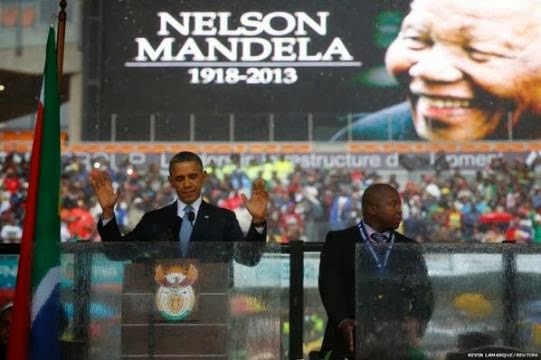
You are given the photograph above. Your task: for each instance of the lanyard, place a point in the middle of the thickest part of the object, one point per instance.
(364, 236)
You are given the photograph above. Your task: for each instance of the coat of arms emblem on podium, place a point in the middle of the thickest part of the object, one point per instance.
(175, 298)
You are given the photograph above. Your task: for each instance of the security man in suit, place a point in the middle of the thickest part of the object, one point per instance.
(395, 298)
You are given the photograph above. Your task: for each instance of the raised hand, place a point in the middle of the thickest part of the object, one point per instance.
(103, 188)
(257, 204)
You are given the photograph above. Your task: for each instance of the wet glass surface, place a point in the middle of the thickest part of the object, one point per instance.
(126, 300)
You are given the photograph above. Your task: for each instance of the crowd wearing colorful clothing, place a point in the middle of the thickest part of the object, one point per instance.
(499, 203)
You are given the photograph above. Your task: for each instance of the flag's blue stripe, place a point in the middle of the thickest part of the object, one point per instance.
(44, 344)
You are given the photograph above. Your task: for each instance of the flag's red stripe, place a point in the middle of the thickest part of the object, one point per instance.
(20, 324)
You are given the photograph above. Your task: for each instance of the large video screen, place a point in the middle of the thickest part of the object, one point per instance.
(383, 70)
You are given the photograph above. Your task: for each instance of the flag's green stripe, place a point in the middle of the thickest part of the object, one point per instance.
(47, 234)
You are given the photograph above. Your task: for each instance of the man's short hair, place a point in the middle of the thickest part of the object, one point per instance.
(185, 156)
(372, 194)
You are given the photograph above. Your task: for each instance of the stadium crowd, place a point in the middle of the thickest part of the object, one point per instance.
(501, 202)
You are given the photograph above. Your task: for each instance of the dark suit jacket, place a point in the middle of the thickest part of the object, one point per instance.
(212, 224)
(405, 285)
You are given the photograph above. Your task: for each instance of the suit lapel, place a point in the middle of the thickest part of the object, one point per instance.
(202, 223)
(171, 210)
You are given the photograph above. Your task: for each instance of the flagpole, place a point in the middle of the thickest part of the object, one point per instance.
(61, 32)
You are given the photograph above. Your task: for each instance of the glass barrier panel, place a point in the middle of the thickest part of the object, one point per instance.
(8, 278)
(314, 313)
(441, 301)
(528, 301)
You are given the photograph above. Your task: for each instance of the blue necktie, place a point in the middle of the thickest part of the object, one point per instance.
(185, 230)
(378, 238)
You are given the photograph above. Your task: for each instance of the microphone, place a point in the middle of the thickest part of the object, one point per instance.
(191, 217)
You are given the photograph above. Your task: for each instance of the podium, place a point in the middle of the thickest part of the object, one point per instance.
(144, 301)
(172, 319)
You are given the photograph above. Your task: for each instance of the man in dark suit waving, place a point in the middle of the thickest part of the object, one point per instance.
(391, 277)
(189, 218)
